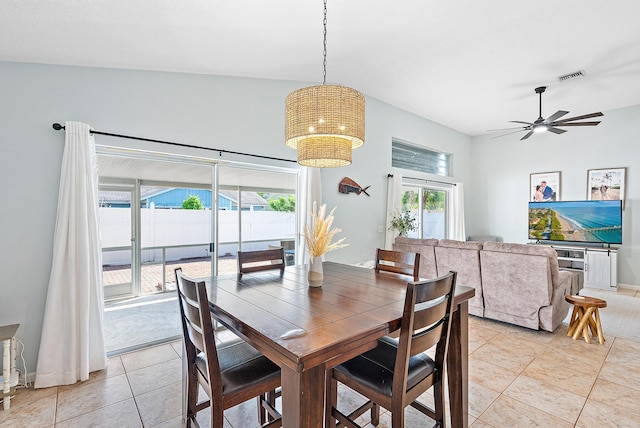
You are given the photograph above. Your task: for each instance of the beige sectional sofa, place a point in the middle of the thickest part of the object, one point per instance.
(515, 283)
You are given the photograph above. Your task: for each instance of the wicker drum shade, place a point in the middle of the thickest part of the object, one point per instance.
(324, 122)
(324, 152)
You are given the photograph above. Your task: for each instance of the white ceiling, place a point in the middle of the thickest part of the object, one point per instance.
(468, 64)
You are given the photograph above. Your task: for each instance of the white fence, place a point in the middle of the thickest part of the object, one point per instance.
(163, 228)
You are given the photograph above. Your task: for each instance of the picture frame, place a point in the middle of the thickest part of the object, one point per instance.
(544, 186)
(606, 184)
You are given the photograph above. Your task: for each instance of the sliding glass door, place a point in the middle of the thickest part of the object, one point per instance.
(118, 240)
(163, 212)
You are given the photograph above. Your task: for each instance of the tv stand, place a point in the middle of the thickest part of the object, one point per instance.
(599, 264)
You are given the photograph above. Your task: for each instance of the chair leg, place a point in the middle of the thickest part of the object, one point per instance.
(331, 398)
(438, 398)
(262, 412)
(397, 418)
(375, 415)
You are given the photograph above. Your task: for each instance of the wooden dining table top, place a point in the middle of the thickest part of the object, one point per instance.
(307, 325)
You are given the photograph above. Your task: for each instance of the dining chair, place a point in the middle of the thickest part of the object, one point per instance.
(254, 261)
(395, 373)
(398, 262)
(230, 373)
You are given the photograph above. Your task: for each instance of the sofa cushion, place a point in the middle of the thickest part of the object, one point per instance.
(427, 255)
(465, 245)
(416, 241)
(535, 250)
(463, 258)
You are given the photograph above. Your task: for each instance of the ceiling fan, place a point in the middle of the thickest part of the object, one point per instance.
(551, 123)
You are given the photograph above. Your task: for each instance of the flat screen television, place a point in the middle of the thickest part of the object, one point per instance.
(576, 221)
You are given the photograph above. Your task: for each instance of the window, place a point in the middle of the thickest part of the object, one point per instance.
(415, 158)
(429, 205)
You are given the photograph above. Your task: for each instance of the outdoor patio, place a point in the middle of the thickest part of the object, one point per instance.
(152, 318)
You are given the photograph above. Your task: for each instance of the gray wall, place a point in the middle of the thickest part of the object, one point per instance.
(223, 112)
(501, 168)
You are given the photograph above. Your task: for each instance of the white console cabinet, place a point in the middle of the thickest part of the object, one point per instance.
(600, 265)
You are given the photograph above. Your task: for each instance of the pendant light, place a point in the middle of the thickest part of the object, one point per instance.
(324, 122)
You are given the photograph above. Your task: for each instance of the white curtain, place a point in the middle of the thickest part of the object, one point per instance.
(72, 342)
(310, 191)
(456, 214)
(394, 206)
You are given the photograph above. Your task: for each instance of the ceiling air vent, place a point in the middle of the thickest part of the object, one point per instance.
(571, 76)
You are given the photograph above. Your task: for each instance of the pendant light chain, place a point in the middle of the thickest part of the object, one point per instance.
(324, 52)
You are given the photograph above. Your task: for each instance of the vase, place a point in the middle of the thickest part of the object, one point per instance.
(315, 274)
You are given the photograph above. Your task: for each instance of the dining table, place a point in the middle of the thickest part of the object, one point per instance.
(306, 330)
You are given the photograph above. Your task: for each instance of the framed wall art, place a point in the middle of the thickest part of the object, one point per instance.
(544, 186)
(605, 184)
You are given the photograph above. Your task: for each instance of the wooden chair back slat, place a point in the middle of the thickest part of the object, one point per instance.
(197, 327)
(255, 261)
(398, 262)
(425, 320)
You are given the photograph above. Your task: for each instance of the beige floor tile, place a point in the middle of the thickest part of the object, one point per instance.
(171, 423)
(480, 424)
(480, 398)
(121, 414)
(592, 354)
(490, 375)
(90, 396)
(632, 345)
(625, 352)
(618, 396)
(597, 415)
(154, 377)
(114, 368)
(507, 412)
(513, 359)
(177, 346)
(473, 345)
(160, 405)
(148, 357)
(480, 333)
(561, 377)
(29, 395)
(242, 415)
(498, 326)
(33, 414)
(538, 336)
(631, 292)
(549, 399)
(620, 374)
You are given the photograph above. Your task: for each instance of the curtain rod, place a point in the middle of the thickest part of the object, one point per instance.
(424, 179)
(59, 127)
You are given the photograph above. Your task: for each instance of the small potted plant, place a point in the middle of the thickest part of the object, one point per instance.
(403, 223)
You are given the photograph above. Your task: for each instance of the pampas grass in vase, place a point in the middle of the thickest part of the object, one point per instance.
(318, 237)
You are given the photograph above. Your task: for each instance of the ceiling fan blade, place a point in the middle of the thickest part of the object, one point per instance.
(527, 135)
(556, 130)
(508, 133)
(556, 115)
(522, 128)
(585, 116)
(518, 121)
(576, 124)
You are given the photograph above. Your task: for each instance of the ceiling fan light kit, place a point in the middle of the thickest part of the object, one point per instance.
(551, 123)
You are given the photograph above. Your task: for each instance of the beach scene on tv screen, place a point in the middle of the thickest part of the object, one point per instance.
(583, 221)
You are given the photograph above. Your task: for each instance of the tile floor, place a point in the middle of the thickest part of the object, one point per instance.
(517, 378)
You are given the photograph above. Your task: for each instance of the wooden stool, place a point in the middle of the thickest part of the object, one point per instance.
(585, 317)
